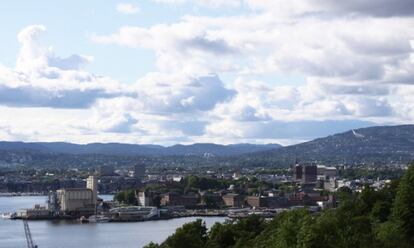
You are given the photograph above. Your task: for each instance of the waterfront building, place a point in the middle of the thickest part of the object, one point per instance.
(133, 213)
(92, 184)
(233, 200)
(267, 201)
(175, 199)
(38, 212)
(144, 199)
(76, 200)
(256, 201)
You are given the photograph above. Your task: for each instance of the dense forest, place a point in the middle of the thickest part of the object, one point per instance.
(371, 218)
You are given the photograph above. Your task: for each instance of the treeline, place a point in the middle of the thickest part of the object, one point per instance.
(195, 184)
(126, 197)
(371, 218)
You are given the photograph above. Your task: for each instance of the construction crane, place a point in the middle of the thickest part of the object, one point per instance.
(29, 239)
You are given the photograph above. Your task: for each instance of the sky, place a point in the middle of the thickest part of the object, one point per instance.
(196, 71)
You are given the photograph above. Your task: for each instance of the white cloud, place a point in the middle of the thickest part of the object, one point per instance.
(379, 8)
(167, 94)
(158, 106)
(34, 57)
(225, 78)
(42, 79)
(179, 47)
(358, 49)
(127, 8)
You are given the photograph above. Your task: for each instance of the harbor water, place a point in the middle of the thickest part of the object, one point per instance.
(72, 234)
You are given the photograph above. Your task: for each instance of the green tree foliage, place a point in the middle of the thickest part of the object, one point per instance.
(380, 219)
(401, 223)
(126, 197)
(152, 245)
(283, 230)
(190, 235)
(204, 183)
(221, 236)
(403, 210)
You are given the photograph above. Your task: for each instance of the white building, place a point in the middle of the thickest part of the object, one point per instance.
(34, 213)
(92, 184)
(143, 199)
(75, 199)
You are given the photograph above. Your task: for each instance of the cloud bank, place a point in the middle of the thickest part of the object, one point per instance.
(225, 79)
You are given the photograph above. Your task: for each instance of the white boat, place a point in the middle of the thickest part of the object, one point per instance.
(8, 215)
(98, 219)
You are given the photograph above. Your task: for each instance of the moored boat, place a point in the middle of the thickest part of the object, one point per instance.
(98, 219)
(8, 215)
(83, 219)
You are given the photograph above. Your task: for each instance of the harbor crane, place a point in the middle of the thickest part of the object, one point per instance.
(29, 239)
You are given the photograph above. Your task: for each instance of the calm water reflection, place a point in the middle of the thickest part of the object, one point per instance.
(64, 234)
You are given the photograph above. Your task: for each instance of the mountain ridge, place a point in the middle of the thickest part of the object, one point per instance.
(135, 149)
(376, 144)
(373, 145)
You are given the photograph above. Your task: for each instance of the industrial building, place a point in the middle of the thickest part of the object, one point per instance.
(92, 184)
(38, 212)
(75, 200)
(78, 200)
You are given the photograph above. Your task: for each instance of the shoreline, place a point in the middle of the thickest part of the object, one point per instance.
(241, 213)
(21, 194)
(76, 220)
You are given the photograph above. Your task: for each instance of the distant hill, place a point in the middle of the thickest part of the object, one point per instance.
(134, 149)
(381, 144)
(373, 145)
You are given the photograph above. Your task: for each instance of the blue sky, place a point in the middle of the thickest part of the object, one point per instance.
(71, 23)
(185, 71)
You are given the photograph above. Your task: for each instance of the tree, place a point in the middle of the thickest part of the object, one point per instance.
(248, 229)
(222, 236)
(282, 231)
(402, 215)
(152, 245)
(209, 201)
(190, 235)
(126, 197)
(371, 218)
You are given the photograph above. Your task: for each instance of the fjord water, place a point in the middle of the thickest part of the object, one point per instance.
(72, 234)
